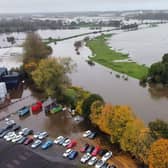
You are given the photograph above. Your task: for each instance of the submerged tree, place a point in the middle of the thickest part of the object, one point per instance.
(34, 48)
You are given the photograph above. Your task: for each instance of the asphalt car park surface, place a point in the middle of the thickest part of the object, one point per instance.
(19, 156)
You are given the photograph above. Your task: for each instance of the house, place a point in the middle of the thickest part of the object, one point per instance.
(11, 79)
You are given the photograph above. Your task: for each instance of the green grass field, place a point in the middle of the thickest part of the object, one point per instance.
(104, 55)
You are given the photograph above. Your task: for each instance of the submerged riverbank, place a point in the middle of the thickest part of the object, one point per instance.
(104, 55)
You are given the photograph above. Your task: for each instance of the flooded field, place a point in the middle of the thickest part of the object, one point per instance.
(148, 104)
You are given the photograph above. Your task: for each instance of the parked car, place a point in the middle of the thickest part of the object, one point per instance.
(72, 144)
(105, 165)
(84, 148)
(9, 125)
(90, 149)
(107, 156)
(92, 135)
(99, 164)
(58, 139)
(28, 140)
(42, 135)
(87, 133)
(66, 142)
(37, 107)
(16, 127)
(36, 144)
(27, 132)
(10, 136)
(73, 155)
(47, 144)
(17, 138)
(62, 141)
(67, 153)
(22, 140)
(10, 122)
(36, 135)
(2, 130)
(92, 161)
(95, 151)
(23, 111)
(85, 157)
(4, 133)
(102, 152)
(22, 131)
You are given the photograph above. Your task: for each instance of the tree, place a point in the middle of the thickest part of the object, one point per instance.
(51, 76)
(96, 112)
(159, 129)
(158, 156)
(35, 49)
(118, 120)
(165, 58)
(87, 103)
(136, 140)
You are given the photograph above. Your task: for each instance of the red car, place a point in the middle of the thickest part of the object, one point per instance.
(84, 148)
(72, 144)
(95, 151)
(37, 107)
(28, 140)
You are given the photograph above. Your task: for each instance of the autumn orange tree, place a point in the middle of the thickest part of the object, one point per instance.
(158, 156)
(96, 112)
(118, 120)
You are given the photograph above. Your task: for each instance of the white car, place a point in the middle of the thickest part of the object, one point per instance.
(36, 143)
(85, 157)
(67, 152)
(11, 136)
(17, 138)
(87, 133)
(99, 164)
(107, 156)
(66, 142)
(23, 130)
(8, 122)
(42, 135)
(58, 139)
(36, 135)
(92, 161)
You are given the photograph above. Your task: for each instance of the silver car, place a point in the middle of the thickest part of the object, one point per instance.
(92, 161)
(85, 157)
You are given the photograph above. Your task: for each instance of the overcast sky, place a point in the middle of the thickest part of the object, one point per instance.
(10, 6)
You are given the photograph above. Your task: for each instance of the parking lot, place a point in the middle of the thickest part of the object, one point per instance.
(56, 125)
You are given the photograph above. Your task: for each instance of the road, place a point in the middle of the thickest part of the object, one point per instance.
(19, 156)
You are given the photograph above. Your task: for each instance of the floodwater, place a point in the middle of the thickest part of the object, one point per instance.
(144, 46)
(148, 104)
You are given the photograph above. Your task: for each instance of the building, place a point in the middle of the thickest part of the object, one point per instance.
(11, 79)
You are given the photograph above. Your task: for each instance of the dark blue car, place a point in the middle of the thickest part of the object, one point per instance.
(23, 111)
(47, 144)
(73, 155)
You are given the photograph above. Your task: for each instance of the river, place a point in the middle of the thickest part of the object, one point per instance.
(146, 104)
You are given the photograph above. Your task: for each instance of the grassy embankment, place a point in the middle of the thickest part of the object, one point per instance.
(104, 55)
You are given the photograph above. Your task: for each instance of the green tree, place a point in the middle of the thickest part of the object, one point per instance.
(159, 129)
(51, 76)
(87, 103)
(34, 48)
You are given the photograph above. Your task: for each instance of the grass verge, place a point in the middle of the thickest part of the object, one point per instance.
(106, 56)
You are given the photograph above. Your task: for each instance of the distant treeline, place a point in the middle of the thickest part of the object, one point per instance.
(149, 16)
(22, 25)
